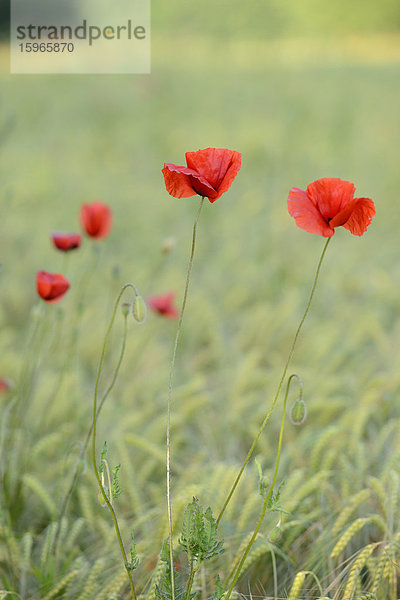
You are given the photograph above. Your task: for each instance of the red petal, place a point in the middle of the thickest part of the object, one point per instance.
(178, 181)
(4, 385)
(96, 219)
(182, 182)
(356, 216)
(306, 214)
(51, 286)
(218, 166)
(164, 304)
(66, 241)
(330, 195)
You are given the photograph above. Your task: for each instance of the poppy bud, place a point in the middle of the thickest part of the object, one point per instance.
(298, 412)
(126, 308)
(139, 309)
(275, 533)
(101, 499)
(168, 244)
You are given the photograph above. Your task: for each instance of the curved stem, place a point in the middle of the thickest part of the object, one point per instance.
(95, 414)
(268, 497)
(171, 377)
(250, 452)
(88, 435)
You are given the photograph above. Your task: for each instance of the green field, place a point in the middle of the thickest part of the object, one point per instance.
(298, 108)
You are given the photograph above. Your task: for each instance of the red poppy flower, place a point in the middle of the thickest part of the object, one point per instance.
(5, 385)
(51, 286)
(164, 305)
(328, 203)
(66, 241)
(208, 173)
(96, 219)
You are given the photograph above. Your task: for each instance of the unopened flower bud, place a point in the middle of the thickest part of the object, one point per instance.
(101, 499)
(298, 412)
(168, 244)
(275, 533)
(126, 308)
(139, 309)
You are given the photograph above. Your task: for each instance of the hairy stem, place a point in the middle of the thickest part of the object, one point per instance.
(171, 377)
(190, 581)
(94, 422)
(75, 475)
(268, 497)
(250, 452)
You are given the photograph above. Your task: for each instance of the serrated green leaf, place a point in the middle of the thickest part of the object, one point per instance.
(103, 457)
(115, 489)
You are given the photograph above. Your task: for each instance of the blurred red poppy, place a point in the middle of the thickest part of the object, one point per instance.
(96, 219)
(66, 241)
(328, 203)
(5, 385)
(209, 173)
(51, 286)
(164, 305)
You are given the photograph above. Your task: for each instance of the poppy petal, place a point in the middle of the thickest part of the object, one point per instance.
(164, 305)
(178, 181)
(330, 195)
(66, 241)
(218, 166)
(52, 287)
(182, 182)
(96, 219)
(356, 216)
(230, 175)
(306, 214)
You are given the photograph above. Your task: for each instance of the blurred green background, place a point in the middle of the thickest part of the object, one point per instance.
(259, 19)
(303, 89)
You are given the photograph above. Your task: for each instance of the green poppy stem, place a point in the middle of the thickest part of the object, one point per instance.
(94, 423)
(289, 358)
(268, 498)
(171, 377)
(75, 475)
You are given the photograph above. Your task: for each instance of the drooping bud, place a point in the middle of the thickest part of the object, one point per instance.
(139, 309)
(276, 533)
(101, 499)
(298, 412)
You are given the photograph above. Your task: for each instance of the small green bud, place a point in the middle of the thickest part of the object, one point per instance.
(101, 499)
(276, 533)
(298, 412)
(126, 308)
(139, 309)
